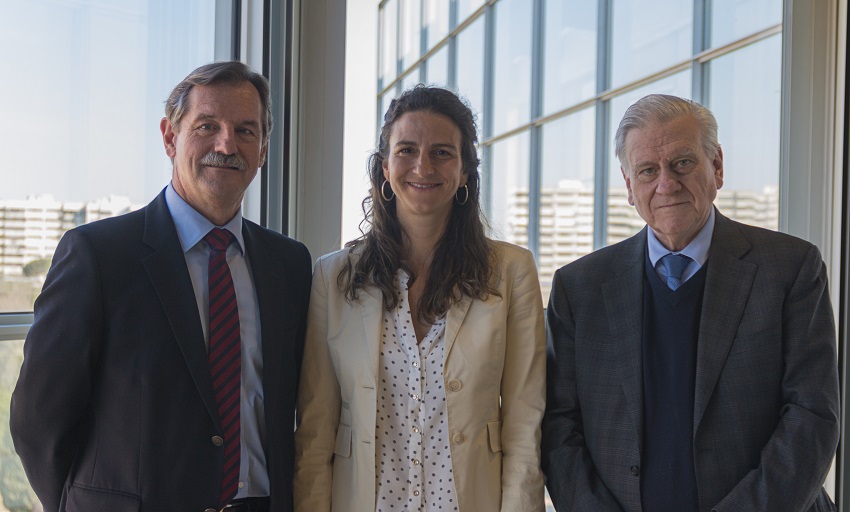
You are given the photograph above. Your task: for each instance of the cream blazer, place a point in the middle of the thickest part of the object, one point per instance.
(494, 371)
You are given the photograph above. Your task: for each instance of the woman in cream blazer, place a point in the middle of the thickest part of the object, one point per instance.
(493, 353)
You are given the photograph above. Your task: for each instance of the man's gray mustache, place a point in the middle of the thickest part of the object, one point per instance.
(220, 160)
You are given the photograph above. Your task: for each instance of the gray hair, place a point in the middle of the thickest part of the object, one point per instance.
(662, 108)
(228, 72)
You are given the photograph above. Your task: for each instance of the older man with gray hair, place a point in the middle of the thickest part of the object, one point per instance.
(692, 367)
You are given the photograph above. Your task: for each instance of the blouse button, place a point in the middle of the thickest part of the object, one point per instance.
(416, 493)
(416, 364)
(455, 385)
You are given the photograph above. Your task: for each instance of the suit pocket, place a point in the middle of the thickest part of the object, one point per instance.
(342, 447)
(87, 499)
(494, 435)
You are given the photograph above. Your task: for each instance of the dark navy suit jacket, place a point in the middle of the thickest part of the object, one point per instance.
(114, 408)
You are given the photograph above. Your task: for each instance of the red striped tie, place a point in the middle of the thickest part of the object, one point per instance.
(225, 356)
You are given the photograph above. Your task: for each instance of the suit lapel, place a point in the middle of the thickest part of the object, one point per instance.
(166, 267)
(728, 283)
(371, 305)
(623, 295)
(454, 319)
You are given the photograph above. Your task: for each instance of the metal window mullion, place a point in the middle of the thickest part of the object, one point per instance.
(423, 43)
(535, 133)
(14, 326)
(487, 106)
(699, 70)
(603, 73)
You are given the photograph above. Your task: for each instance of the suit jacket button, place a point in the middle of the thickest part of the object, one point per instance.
(635, 470)
(455, 385)
(217, 440)
(457, 438)
(210, 510)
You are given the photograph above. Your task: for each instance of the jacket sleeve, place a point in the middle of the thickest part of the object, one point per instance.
(55, 384)
(798, 455)
(523, 390)
(318, 406)
(571, 478)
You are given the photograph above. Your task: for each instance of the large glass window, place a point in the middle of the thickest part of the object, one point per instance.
(646, 39)
(508, 186)
(550, 87)
(83, 123)
(512, 77)
(569, 69)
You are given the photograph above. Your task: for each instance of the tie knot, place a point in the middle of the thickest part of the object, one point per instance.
(218, 239)
(673, 266)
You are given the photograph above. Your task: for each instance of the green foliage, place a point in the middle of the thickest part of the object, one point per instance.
(14, 488)
(37, 267)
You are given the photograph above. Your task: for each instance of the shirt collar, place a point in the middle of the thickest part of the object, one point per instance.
(697, 250)
(192, 227)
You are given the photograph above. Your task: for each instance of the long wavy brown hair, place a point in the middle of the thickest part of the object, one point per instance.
(463, 259)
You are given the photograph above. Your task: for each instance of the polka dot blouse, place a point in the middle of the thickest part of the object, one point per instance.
(413, 464)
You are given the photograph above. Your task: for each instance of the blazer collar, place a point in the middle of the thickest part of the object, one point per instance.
(166, 267)
(728, 283)
(623, 296)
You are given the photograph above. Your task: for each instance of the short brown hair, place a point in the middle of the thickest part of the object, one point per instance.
(228, 72)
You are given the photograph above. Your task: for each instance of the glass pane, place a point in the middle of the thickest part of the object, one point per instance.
(745, 99)
(470, 67)
(411, 13)
(410, 80)
(466, 7)
(14, 488)
(623, 219)
(436, 20)
(648, 37)
(105, 152)
(570, 53)
(566, 196)
(733, 19)
(512, 82)
(438, 67)
(508, 185)
(389, 42)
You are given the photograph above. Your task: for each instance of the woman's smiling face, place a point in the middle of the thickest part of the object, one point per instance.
(424, 165)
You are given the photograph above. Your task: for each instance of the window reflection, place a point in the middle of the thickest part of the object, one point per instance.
(646, 40)
(512, 81)
(436, 20)
(470, 67)
(508, 185)
(570, 53)
(410, 32)
(438, 67)
(466, 7)
(389, 46)
(733, 19)
(566, 194)
(745, 99)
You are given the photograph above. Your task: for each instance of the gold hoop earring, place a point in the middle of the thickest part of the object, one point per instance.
(384, 194)
(465, 198)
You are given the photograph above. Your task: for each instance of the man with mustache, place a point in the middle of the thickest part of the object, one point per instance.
(160, 371)
(691, 367)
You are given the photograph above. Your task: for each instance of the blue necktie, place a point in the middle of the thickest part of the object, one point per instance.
(672, 267)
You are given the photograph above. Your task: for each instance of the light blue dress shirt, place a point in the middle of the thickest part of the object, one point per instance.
(697, 250)
(191, 229)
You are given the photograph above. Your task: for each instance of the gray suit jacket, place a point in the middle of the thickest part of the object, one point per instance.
(766, 399)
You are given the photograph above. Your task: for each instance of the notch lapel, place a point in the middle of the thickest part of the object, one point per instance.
(728, 283)
(166, 268)
(623, 296)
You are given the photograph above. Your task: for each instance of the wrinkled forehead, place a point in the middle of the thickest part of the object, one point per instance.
(663, 138)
